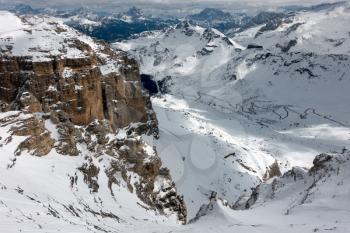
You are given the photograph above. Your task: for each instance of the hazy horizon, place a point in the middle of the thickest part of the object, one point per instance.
(164, 5)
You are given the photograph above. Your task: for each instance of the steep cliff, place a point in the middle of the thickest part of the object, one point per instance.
(47, 67)
(63, 93)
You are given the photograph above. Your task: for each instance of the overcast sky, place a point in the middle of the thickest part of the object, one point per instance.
(164, 5)
(113, 2)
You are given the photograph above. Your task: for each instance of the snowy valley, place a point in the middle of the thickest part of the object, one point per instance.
(236, 106)
(245, 130)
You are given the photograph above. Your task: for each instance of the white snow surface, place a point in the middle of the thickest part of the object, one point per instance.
(48, 194)
(36, 195)
(230, 113)
(44, 38)
(261, 105)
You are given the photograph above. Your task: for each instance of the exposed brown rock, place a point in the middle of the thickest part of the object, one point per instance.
(27, 101)
(272, 171)
(39, 141)
(87, 105)
(67, 144)
(320, 162)
(150, 172)
(90, 172)
(75, 86)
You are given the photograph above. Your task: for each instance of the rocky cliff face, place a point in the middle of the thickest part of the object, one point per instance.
(75, 86)
(66, 93)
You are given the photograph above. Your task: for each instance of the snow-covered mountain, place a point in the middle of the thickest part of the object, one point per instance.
(72, 117)
(101, 25)
(216, 18)
(118, 26)
(243, 109)
(232, 23)
(247, 130)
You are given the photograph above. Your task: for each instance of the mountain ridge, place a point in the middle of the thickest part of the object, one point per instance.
(261, 95)
(73, 110)
(187, 124)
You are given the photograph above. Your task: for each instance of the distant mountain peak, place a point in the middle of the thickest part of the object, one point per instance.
(135, 12)
(24, 9)
(23, 6)
(185, 24)
(212, 11)
(211, 14)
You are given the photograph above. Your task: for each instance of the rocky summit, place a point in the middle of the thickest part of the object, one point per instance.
(70, 73)
(64, 94)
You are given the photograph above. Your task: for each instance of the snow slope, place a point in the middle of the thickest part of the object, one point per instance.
(91, 190)
(40, 37)
(299, 201)
(230, 115)
(285, 101)
(49, 194)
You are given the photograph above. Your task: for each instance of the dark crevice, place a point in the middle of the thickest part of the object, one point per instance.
(149, 84)
(104, 101)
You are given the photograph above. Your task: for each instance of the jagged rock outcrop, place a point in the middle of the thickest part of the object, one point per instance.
(308, 183)
(78, 97)
(272, 171)
(38, 140)
(75, 86)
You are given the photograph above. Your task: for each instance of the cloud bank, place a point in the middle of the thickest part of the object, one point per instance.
(116, 2)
